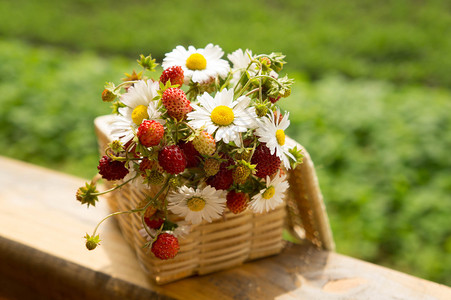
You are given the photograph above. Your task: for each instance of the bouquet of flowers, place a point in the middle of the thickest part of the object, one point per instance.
(205, 136)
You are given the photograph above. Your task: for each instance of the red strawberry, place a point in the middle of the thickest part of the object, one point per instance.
(237, 202)
(112, 169)
(146, 164)
(192, 155)
(278, 116)
(174, 99)
(224, 178)
(175, 74)
(172, 159)
(166, 246)
(274, 100)
(267, 164)
(150, 133)
(155, 220)
(154, 223)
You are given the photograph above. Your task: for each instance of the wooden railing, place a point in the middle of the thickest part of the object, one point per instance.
(42, 256)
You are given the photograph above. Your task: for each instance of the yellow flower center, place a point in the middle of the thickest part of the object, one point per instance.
(280, 136)
(222, 115)
(139, 114)
(196, 61)
(269, 193)
(195, 204)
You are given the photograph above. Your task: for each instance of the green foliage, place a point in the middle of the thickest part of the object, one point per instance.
(49, 100)
(402, 41)
(382, 155)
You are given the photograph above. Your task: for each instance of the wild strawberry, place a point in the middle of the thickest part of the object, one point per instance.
(242, 155)
(151, 172)
(154, 223)
(108, 96)
(267, 164)
(174, 99)
(237, 202)
(223, 179)
(85, 193)
(166, 246)
(274, 100)
(211, 166)
(146, 164)
(174, 74)
(287, 93)
(205, 143)
(192, 155)
(155, 220)
(154, 177)
(278, 117)
(172, 159)
(112, 169)
(261, 110)
(240, 174)
(282, 171)
(150, 133)
(150, 211)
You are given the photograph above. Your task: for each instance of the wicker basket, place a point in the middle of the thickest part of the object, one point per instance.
(232, 240)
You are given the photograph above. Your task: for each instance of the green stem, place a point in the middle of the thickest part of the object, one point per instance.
(226, 82)
(252, 91)
(114, 188)
(177, 132)
(115, 214)
(244, 88)
(125, 83)
(190, 127)
(150, 202)
(242, 75)
(253, 150)
(258, 76)
(260, 87)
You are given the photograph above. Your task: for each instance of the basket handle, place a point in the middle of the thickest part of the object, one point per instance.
(306, 205)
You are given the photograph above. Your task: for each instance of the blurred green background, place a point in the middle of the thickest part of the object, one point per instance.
(372, 100)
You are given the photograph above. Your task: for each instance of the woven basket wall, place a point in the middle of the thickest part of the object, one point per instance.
(232, 240)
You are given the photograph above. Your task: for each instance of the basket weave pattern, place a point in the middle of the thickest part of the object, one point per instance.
(208, 247)
(232, 240)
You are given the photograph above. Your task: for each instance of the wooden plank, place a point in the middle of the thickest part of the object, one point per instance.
(43, 257)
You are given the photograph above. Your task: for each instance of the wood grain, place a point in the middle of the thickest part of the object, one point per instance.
(42, 256)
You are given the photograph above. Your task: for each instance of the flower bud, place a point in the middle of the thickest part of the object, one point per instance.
(108, 96)
(261, 110)
(147, 62)
(85, 194)
(266, 63)
(92, 241)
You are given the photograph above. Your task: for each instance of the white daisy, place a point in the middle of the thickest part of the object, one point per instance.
(241, 60)
(271, 196)
(139, 106)
(199, 65)
(197, 205)
(223, 115)
(271, 131)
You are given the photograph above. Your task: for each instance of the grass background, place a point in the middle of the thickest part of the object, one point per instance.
(371, 103)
